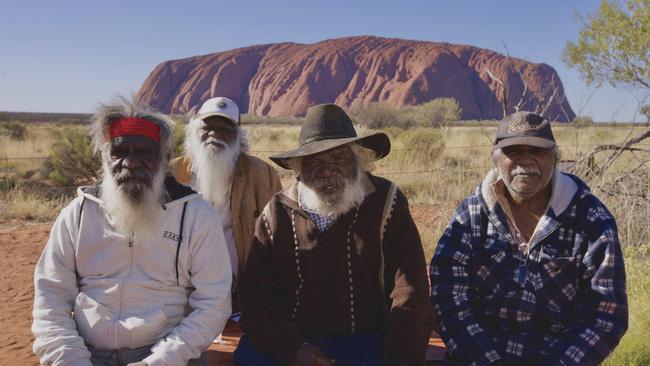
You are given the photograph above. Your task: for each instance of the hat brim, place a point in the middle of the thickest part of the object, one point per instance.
(212, 114)
(378, 142)
(526, 140)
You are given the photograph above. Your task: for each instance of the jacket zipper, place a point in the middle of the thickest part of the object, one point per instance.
(122, 284)
(530, 248)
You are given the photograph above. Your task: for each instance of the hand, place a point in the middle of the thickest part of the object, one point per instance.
(141, 363)
(309, 355)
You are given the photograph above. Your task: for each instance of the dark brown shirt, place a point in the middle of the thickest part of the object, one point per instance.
(300, 283)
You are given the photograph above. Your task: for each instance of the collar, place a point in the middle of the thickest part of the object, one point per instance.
(563, 188)
(241, 165)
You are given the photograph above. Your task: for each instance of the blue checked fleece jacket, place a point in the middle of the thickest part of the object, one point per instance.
(562, 304)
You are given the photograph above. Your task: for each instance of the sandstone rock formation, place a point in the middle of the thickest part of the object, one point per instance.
(284, 79)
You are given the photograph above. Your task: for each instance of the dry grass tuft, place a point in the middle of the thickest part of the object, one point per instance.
(21, 204)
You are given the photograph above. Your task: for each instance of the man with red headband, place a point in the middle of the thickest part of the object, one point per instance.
(136, 270)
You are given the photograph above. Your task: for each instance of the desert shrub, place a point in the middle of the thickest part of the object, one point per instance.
(179, 139)
(71, 160)
(23, 204)
(14, 130)
(435, 113)
(418, 147)
(266, 140)
(7, 184)
(275, 135)
(582, 121)
(252, 119)
(380, 115)
(456, 161)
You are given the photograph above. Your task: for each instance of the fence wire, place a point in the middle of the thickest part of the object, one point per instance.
(10, 158)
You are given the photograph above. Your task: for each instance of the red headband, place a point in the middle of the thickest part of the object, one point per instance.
(134, 126)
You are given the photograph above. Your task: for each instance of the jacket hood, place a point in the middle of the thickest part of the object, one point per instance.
(564, 188)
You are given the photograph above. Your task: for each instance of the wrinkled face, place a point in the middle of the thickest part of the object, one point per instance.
(133, 161)
(328, 172)
(525, 169)
(218, 132)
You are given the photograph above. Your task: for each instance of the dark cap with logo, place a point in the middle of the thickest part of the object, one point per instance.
(524, 128)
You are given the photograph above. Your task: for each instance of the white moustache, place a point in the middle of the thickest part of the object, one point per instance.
(525, 171)
(214, 141)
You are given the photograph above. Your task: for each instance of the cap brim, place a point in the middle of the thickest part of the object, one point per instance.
(212, 114)
(526, 140)
(378, 142)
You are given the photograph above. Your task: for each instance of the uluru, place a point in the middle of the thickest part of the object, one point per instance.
(284, 79)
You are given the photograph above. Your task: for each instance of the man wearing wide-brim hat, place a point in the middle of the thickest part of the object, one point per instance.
(336, 272)
(530, 269)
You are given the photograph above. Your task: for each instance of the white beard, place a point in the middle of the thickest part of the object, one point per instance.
(213, 166)
(352, 196)
(127, 215)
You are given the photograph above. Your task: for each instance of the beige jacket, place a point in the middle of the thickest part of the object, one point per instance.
(254, 183)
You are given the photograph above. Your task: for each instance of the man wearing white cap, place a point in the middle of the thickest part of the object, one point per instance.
(216, 164)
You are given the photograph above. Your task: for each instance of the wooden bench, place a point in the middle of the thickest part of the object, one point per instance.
(220, 354)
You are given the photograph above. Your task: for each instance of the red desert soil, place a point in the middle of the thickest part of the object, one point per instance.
(22, 244)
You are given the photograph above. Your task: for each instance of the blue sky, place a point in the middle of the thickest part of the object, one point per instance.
(68, 56)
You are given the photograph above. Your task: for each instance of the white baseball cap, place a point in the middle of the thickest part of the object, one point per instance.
(219, 106)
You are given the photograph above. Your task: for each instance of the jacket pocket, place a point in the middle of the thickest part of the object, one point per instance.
(144, 329)
(555, 280)
(93, 321)
(490, 268)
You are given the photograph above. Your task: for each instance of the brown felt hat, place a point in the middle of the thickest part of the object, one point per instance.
(326, 127)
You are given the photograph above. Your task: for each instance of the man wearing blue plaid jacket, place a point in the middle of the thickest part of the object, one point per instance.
(530, 270)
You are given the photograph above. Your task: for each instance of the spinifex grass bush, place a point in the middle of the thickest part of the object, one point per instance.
(14, 130)
(435, 113)
(22, 203)
(72, 160)
(415, 149)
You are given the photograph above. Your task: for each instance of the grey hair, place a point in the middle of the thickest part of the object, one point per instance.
(125, 108)
(193, 137)
(363, 156)
(498, 151)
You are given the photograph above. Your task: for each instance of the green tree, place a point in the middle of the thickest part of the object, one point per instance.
(614, 45)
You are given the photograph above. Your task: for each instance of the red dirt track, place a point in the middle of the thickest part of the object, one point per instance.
(22, 244)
